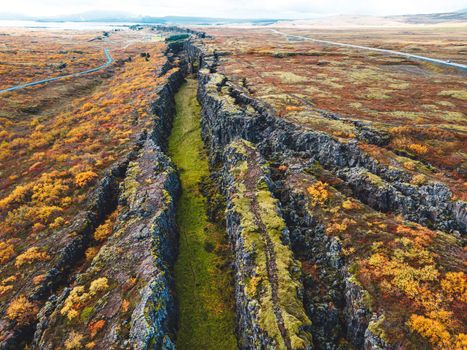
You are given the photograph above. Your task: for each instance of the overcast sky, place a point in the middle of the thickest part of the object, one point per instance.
(232, 8)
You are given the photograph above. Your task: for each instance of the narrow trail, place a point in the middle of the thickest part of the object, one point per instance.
(445, 63)
(48, 80)
(203, 286)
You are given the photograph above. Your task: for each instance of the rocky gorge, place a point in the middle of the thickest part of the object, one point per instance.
(259, 199)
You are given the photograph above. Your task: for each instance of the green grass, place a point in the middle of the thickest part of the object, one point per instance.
(204, 287)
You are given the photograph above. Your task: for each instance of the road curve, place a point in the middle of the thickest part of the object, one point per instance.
(44, 81)
(460, 66)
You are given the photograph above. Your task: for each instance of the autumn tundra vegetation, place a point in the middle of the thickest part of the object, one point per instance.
(223, 188)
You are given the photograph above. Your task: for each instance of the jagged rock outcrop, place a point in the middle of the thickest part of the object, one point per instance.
(75, 240)
(137, 309)
(324, 294)
(79, 236)
(268, 288)
(228, 113)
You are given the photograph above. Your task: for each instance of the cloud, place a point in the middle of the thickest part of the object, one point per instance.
(232, 8)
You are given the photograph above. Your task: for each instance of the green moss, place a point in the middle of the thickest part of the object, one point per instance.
(377, 94)
(375, 179)
(130, 186)
(287, 77)
(291, 307)
(399, 86)
(86, 313)
(204, 291)
(376, 327)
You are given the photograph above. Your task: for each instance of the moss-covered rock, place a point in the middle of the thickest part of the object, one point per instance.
(269, 307)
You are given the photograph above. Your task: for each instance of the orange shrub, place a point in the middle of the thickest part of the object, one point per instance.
(125, 305)
(22, 310)
(96, 327)
(318, 192)
(418, 149)
(6, 252)
(31, 255)
(85, 178)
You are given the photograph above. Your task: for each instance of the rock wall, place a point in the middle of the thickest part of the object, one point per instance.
(153, 320)
(145, 231)
(229, 113)
(268, 288)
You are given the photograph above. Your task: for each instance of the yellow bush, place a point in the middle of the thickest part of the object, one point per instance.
(461, 342)
(74, 341)
(98, 285)
(6, 252)
(454, 284)
(350, 204)
(75, 300)
(318, 193)
(409, 165)
(434, 331)
(418, 180)
(10, 279)
(91, 252)
(57, 223)
(31, 255)
(418, 149)
(16, 196)
(21, 310)
(5, 289)
(85, 178)
(103, 231)
(44, 214)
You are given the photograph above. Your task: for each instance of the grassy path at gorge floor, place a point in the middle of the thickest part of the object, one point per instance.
(204, 287)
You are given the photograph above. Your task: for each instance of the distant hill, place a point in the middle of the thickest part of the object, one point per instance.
(449, 18)
(433, 18)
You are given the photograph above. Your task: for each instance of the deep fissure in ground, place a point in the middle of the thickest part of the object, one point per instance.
(203, 280)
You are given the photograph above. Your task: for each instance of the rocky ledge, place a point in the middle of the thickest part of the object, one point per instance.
(330, 239)
(268, 286)
(228, 114)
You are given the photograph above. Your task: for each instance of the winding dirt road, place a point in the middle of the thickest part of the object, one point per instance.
(110, 60)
